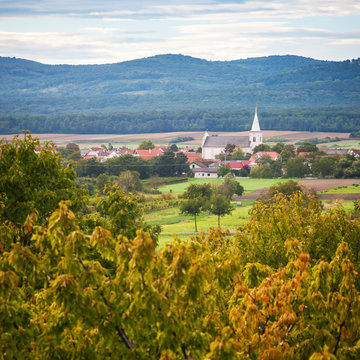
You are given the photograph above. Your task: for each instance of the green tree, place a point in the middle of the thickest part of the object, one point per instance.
(146, 144)
(155, 182)
(197, 198)
(324, 166)
(123, 213)
(238, 154)
(220, 205)
(296, 167)
(165, 164)
(129, 181)
(173, 147)
(223, 170)
(353, 171)
(230, 186)
(261, 147)
(286, 188)
(181, 164)
(32, 183)
(192, 207)
(307, 147)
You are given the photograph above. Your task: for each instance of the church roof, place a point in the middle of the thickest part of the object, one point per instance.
(222, 141)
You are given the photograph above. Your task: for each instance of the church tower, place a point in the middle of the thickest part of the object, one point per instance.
(255, 135)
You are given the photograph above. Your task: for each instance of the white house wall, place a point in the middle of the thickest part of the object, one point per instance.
(205, 175)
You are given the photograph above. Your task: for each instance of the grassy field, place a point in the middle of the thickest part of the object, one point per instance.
(249, 184)
(172, 221)
(344, 144)
(353, 189)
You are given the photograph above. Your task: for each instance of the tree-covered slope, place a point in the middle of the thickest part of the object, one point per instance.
(172, 83)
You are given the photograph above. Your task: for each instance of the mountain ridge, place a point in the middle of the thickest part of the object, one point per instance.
(172, 83)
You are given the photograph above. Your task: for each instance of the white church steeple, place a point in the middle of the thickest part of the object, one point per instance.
(255, 135)
(255, 125)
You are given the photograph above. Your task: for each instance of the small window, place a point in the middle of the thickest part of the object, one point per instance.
(208, 174)
(202, 174)
(254, 139)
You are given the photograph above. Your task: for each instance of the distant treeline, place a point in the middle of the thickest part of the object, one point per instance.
(326, 119)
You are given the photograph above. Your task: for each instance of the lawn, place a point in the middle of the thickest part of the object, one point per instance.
(249, 184)
(172, 222)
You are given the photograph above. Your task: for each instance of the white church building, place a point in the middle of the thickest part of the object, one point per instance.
(214, 145)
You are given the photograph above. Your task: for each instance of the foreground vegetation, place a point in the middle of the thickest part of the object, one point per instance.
(85, 281)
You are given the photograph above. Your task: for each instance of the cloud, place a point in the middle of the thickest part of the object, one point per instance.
(93, 32)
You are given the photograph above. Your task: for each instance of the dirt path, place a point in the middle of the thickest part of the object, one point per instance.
(316, 185)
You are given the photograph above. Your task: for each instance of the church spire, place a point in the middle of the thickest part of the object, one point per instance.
(255, 125)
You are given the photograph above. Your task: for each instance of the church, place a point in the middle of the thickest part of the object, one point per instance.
(214, 145)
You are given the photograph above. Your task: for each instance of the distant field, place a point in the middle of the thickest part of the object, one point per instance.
(131, 140)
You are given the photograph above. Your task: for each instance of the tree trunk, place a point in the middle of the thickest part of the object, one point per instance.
(218, 220)
(195, 224)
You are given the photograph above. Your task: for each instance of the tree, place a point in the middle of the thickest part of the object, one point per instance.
(173, 147)
(261, 147)
(197, 198)
(353, 171)
(324, 166)
(181, 164)
(238, 154)
(220, 205)
(296, 167)
(155, 182)
(192, 207)
(165, 164)
(286, 188)
(72, 146)
(123, 213)
(78, 296)
(223, 170)
(146, 144)
(307, 147)
(32, 183)
(129, 181)
(229, 149)
(194, 191)
(230, 186)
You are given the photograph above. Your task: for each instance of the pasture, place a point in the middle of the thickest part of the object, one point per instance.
(249, 184)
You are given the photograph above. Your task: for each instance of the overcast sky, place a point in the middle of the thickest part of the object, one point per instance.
(107, 31)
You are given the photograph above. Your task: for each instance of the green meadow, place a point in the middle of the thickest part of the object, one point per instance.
(353, 189)
(249, 184)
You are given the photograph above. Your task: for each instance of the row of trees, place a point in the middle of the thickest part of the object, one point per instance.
(311, 119)
(71, 290)
(167, 164)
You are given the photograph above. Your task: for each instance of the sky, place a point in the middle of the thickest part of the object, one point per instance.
(109, 31)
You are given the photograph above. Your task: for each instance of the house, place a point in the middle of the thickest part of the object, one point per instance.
(214, 145)
(205, 173)
(273, 155)
(197, 165)
(150, 153)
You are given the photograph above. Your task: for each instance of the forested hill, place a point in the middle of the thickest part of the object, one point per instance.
(43, 97)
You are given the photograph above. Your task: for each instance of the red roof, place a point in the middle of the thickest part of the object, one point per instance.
(272, 154)
(192, 156)
(236, 165)
(150, 153)
(127, 151)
